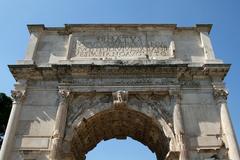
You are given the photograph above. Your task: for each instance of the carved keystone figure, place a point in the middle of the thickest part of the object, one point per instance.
(120, 98)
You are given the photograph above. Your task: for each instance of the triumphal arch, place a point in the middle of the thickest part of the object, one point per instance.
(158, 84)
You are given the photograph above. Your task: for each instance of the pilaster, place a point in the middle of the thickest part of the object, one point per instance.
(60, 123)
(178, 124)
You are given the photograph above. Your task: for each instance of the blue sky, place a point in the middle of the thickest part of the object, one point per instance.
(224, 15)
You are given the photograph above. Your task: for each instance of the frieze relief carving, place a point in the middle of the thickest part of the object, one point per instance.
(108, 71)
(190, 83)
(121, 81)
(118, 45)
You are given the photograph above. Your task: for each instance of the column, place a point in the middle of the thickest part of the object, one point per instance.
(178, 126)
(227, 128)
(60, 123)
(9, 137)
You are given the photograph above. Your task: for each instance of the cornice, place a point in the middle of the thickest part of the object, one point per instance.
(69, 28)
(58, 72)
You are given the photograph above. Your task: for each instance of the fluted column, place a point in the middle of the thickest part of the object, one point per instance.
(60, 123)
(227, 128)
(178, 126)
(9, 136)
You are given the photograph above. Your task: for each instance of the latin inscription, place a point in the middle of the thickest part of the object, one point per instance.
(108, 46)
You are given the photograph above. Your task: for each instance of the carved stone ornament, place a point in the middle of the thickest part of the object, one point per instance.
(17, 95)
(154, 105)
(83, 105)
(56, 134)
(190, 83)
(220, 93)
(120, 98)
(64, 94)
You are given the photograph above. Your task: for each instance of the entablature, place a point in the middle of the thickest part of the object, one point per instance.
(74, 71)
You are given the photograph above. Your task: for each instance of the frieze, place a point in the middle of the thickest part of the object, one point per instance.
(190, 83)
(117, 45)
(120, 82)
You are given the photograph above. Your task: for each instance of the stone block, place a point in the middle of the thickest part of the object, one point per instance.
(205, 142)
(41, 97)
(32, 143)
(199, 122)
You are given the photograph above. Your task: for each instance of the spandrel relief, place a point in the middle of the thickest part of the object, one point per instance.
(86, 105)
(158, 106)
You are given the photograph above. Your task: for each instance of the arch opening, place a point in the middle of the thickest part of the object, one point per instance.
(128, 149)
(120, 124)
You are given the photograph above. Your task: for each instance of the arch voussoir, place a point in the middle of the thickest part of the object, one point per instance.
(119, 124)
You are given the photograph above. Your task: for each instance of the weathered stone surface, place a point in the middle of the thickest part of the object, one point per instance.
(32, 143)
(159, 84)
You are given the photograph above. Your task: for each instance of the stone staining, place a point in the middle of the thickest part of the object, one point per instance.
(159, 84)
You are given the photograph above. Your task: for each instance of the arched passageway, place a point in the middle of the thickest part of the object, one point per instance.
(115, 149)
(119, 123)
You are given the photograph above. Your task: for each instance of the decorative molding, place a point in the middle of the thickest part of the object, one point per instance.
(190, 83)
(110, 68)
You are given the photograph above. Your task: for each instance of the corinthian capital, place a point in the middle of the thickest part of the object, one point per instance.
(219, 91)
(17, 95)
(63, 94)
(175, 94)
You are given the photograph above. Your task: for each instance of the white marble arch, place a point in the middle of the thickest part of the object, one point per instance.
(155, 58)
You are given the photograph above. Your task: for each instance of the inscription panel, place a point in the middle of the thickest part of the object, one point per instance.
(122, 45)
